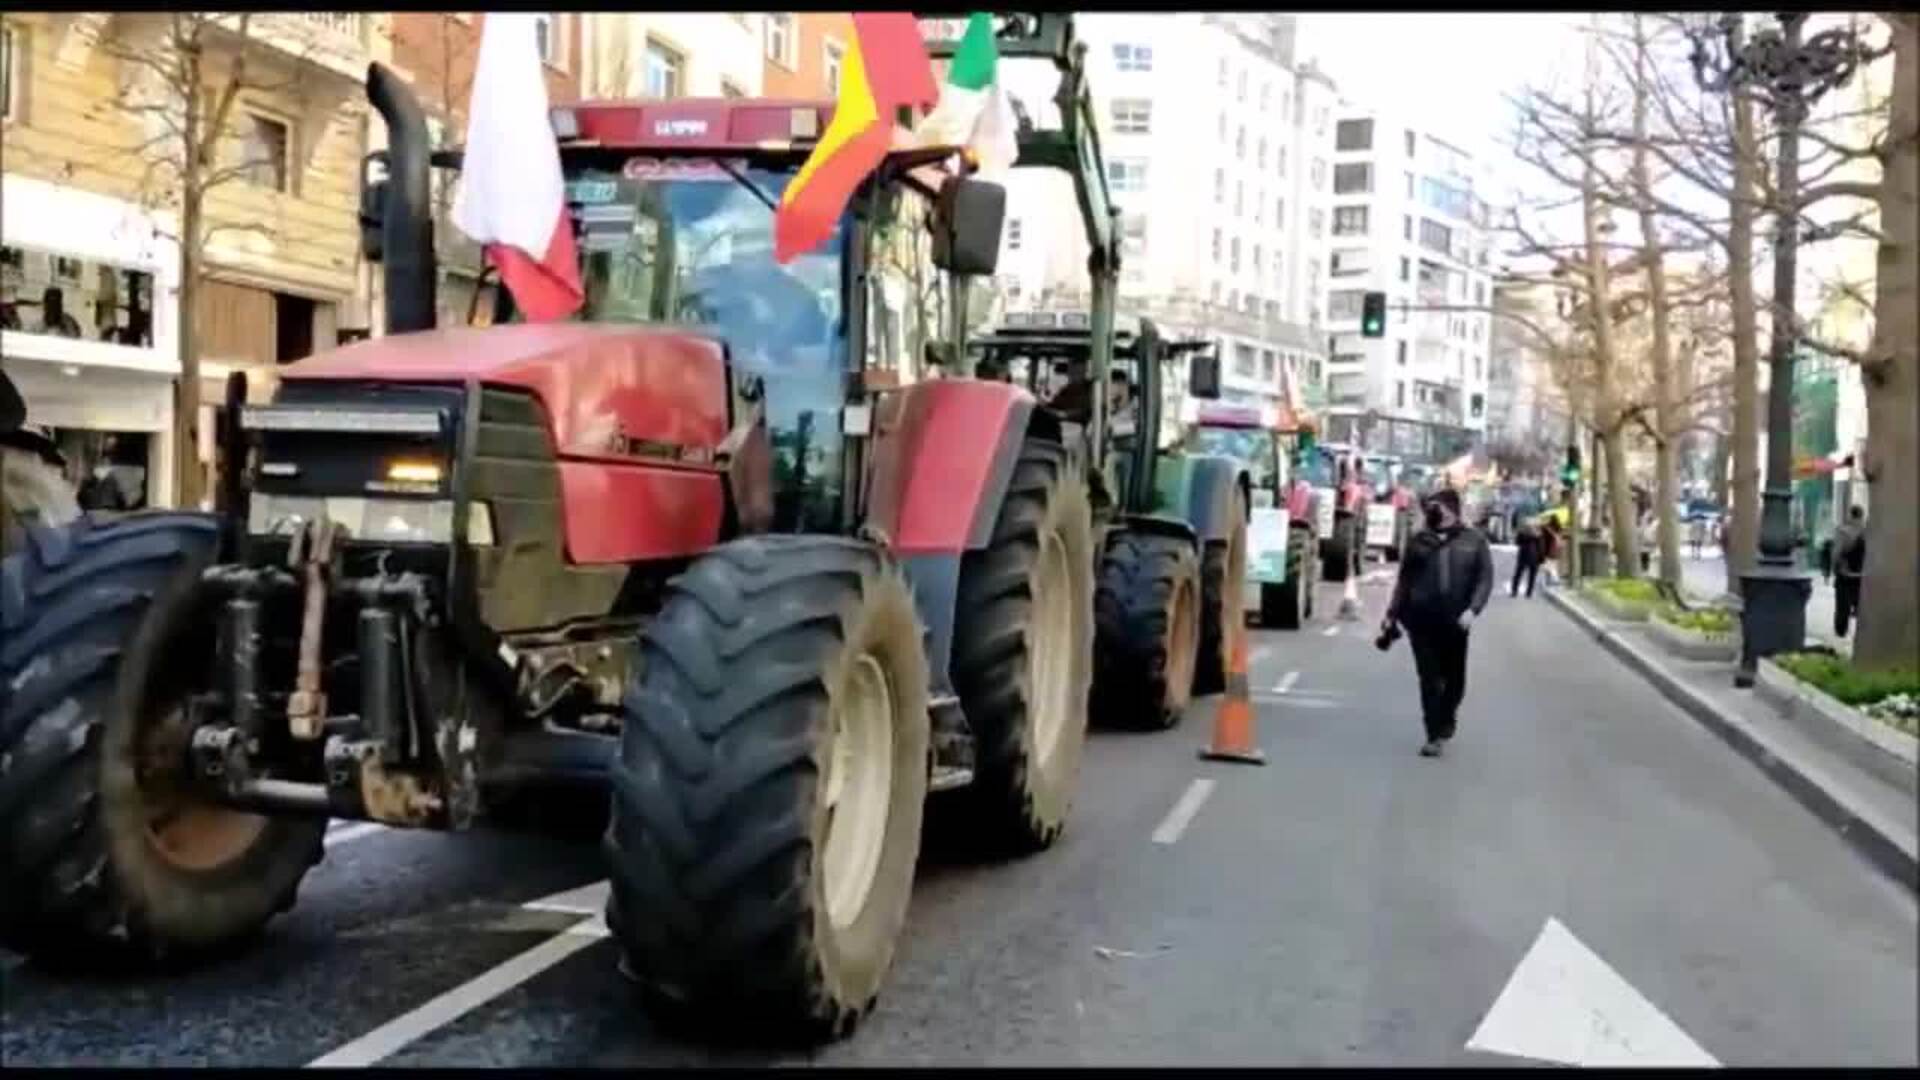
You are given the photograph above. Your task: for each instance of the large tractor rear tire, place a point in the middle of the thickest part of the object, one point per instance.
(1147, 630)
(1288, 605)
(768, 796)
(1336, 561)
(768, 790)
(1023, 656)
(1223, 587)
(107, 861)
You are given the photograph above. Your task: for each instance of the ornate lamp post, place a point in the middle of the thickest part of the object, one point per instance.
(1787, 75)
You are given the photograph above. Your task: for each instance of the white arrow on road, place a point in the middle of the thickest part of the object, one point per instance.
(1565, 1005)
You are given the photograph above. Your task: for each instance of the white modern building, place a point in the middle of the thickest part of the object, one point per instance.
(1216, 145)
(672, 54)
(1408, 217)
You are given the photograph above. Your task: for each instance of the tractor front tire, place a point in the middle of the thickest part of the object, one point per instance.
(768, 795)
(1223, 588)
(1336, 560)
(108, 861)
(1288, 605)
(1023, 656)
(1147, 615)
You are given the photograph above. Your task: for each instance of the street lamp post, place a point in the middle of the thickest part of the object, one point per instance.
(1787, 75)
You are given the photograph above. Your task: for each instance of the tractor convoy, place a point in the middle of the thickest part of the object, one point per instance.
(719, 564)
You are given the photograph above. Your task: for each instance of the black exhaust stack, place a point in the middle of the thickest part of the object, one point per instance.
(406, 231)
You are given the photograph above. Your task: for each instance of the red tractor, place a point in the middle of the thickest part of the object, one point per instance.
(717, 548)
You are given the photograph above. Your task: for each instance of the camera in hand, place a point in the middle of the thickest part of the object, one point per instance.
(1389, 633)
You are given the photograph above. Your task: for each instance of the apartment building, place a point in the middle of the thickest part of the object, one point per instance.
(1524, 407)
(1407, 217)
(1216, 148)
(673, 54)
(90, 286)
(804, 51)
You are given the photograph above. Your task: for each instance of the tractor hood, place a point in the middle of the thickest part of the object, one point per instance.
(604, 386)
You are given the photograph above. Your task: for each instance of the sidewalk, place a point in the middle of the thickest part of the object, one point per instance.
(1705, 579)
(1871, 802)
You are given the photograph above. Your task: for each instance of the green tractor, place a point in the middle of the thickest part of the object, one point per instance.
(1173, 524)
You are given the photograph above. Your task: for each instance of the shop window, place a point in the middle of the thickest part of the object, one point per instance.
(44, 292)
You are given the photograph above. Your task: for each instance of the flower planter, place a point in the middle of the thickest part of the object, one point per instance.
(1611, 608)
(1689, 644)
(1809, 704)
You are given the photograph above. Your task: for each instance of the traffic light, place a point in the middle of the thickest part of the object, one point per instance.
(1570, 472)
(1373, 315)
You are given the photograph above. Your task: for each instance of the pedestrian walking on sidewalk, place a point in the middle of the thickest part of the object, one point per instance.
(1849, 562)
(1445, 580)
(1531, 547)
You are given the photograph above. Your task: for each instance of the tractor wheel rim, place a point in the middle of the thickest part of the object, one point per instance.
(184, 831)
(1050, 651)
(859, 789)
(1182, 646)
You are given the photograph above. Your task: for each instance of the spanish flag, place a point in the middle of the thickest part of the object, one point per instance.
(887, 67)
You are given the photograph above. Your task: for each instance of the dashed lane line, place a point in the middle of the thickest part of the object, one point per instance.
(1286, 682)
(1331, 630)
(1182, 814)
(402, 1031)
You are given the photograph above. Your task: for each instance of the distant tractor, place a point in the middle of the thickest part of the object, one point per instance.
(718, 548)
(1173, 524)
(1283, 560)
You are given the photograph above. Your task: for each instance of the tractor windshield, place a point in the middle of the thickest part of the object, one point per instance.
(1252, 446)
(1318, 468)
(690, 241)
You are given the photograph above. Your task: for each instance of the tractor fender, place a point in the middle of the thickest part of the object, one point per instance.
(1202, 493)
(1160, 525)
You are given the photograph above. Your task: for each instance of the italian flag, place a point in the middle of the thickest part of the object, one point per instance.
(886, 68)
(974, 111)
(512, 196)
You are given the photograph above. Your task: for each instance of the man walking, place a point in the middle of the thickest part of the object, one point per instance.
(1445, 580)
(1849, 562)
(1531, 546)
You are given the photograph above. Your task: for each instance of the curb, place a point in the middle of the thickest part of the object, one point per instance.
(1870, 735)
(1892, 855)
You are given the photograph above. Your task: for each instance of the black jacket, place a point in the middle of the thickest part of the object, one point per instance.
(1441, 575)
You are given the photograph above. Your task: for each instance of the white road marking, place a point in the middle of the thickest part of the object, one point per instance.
(396, 1034)
(1258, 656)
(347, 833)
(1565, 1005)
(1286, 682)
(1183, 811)
(1331, 630)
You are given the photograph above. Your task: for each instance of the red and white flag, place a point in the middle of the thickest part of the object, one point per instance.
(512, 196)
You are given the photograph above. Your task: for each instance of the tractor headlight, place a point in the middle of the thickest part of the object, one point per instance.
(395, 521)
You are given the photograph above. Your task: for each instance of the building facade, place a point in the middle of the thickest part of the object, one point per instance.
(1216, 182)
(804, 51)
(90, 288)
(673, 54)
(1407, 217)
(1524, 407)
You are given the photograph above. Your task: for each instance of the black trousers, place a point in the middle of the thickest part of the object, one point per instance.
(1440, 658)
(1846, 602)
(1530, 568)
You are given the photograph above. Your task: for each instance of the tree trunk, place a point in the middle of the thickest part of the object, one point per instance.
(1666, 412)
(1743, 527)
(186, 391)
(1889, 634)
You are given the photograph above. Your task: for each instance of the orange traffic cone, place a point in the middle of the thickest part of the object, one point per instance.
(1233, 721)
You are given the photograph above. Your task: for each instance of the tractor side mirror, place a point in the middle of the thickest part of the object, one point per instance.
(1203, 376)
(967, 222)
(373, 205)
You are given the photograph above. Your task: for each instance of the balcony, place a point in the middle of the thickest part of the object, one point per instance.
(334, 41)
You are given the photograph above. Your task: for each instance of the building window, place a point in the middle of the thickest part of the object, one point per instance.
(1217, 242)
(1213, 293)
(782, 38)
(263, 146)
(1132, 116)
(1435, 236)
(1240, 92)
(1280, 211)
(1350, 221)
(1257, 262)
(1223, 71)
(1133, 57)
(1233, 302)
(1354, 178)
(1480, 292)
(1317, 175)
(1406, 268)
(1345, 303)
(9, 41)
(1239, 197)
(1400, 352)
(1406, 226)
(665, 71)
(1240, 143)
(1243, 359)
(1409, 185)
(1233, 255)
(833, 57)
(1273, 310)
(545, 36)
(1013, 234)
(1219, 185)
(1400, 394)
(1353, 135)
(1316, 222)
(1220, 129)
(1268, 365)
(1347, 262)
(1127, 174)
(1260, 153)
(1133, 234)
(1409, 143)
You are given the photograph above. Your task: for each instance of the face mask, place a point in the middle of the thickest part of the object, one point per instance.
(1436, 517)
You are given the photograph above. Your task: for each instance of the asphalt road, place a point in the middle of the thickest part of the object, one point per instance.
(1349, 903)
